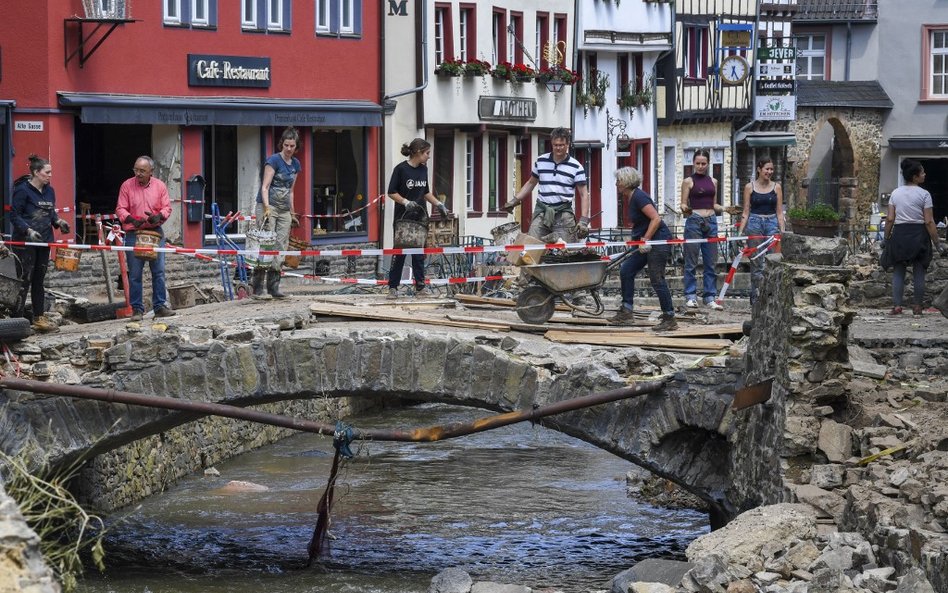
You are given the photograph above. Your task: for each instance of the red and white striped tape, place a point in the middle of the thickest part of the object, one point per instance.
(473, 249)
(749, 252)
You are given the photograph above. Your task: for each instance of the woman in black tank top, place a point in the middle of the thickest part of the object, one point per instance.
(763, 216)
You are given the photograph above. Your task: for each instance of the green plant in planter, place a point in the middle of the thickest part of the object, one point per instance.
(522, 72)
(503, 71)
(476, 67)
(593, 92)
(816, 213)
(632, 98)
(450, 68)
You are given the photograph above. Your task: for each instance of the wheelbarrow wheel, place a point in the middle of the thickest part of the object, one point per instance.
(535, 305)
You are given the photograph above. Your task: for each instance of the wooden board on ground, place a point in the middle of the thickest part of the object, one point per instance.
(377, 314)
(404, 302)
(641, 339)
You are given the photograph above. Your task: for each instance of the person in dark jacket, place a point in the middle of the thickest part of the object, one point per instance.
(34, 216)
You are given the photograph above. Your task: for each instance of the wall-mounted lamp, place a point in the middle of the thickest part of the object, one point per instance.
(554, 85)
(613, 124)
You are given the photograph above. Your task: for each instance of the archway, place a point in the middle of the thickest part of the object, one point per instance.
(830, 159)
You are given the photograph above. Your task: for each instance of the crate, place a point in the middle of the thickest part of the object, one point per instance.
(442, 232)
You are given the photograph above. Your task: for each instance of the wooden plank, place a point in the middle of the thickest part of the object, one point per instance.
(636, 339)
(339, 310)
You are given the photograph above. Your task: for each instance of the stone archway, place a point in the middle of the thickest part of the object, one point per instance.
(830, 165)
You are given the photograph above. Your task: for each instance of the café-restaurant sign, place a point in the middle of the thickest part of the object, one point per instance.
(210, 70)
(507, 108)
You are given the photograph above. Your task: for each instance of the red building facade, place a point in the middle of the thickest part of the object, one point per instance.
(205, 87)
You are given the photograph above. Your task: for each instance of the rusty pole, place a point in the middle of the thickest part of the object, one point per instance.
(425, 435)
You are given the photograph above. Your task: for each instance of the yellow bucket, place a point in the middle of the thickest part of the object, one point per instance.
(67, 259)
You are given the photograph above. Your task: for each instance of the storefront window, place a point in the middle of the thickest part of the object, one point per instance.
(339, 191)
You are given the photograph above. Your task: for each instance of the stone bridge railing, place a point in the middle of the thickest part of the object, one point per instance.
(679, 433)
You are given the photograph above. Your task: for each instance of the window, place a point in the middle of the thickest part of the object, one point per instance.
(811, 56)
(248, 14)
(515, 49)
(172, 14)
(274, 14)
(333, 17)
(542, 36)
(469, 173)
(467, 38)
(496, 171)
(499, 37)
(696, 52)
(559, 37)
(199, 12)
(935, 80)
(443, 46)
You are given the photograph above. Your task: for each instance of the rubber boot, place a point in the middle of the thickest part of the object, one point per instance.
(256, 282)
(273, 284)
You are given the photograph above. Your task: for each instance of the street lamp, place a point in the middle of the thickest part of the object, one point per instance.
(613, 124)
(555, 83)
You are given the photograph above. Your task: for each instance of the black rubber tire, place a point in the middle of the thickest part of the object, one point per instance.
(535, 305)
(747, 327)
(91, 312)
(15, 328)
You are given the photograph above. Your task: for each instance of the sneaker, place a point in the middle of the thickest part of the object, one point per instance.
(422, 291)
(691, 303)
(164, 311)
(896, 311)
(623, 317)
(44, 325)
(715, 306)
(666, 323)
(392, 293)
(916, 311)
(136, 316)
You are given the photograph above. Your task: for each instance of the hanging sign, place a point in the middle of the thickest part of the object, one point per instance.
(775, 108)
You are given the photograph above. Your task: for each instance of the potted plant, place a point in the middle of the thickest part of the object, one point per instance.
(476, 67)
(593, 93)
(564, 75)
(450, 68)
(503, 71)
(522, 73)
(819, 220)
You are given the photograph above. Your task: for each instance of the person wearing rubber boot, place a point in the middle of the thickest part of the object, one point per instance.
(275, 207)
(647, 225)
(561, 178)
(33, 215)
(144, 205)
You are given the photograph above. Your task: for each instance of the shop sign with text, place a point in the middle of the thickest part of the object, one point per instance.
(774, 108)
(234, 71)
(507, 108)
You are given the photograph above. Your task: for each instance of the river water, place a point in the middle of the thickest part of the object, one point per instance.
(521, 504)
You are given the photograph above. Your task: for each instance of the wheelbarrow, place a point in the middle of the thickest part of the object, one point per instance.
(551, 281)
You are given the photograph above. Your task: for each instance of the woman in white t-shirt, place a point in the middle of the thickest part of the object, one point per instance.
(912, 235)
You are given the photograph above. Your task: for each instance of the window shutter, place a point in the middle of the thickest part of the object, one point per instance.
(287, 15)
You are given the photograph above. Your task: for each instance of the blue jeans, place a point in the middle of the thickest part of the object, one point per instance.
(655, 260)
(758, 224)
(699, 227)
(135, 268)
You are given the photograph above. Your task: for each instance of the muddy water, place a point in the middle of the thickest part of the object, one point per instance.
(520, 505)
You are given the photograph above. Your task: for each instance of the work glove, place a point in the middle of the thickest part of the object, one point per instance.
(4, 251)
(509, 206)
(582, 229)
(154, 219)
(644, 249)
(33, 236)
(943, 250)
(266, 211)
(442, 210)
(135, 222)
(412, 206)
(63, 225)
(294, 221)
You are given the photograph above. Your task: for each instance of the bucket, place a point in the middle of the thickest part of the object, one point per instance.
(293, 261)
(410, 233)
(67, 259)
(182, 296)
(147, 239)
(10, 289)
(259, 237)
(505, 233)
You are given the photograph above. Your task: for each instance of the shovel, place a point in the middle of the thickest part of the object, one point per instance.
(752, 395)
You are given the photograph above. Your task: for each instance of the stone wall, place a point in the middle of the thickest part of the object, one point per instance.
(872, 286)
(88, 281)
(860, 132)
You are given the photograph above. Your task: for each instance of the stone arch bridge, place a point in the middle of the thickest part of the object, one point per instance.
(680, 433)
